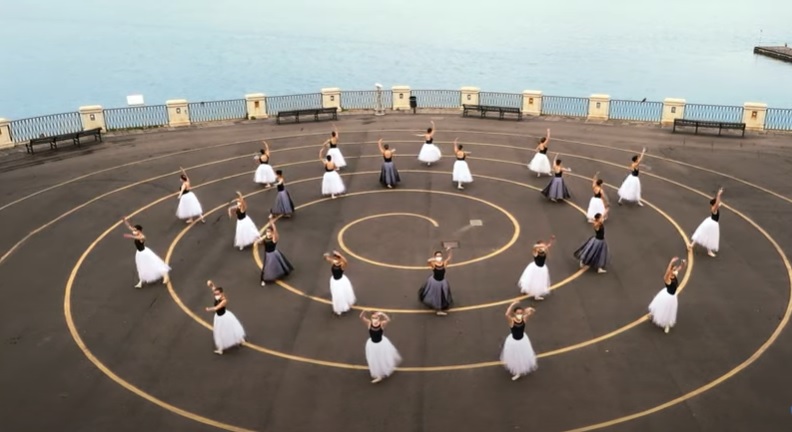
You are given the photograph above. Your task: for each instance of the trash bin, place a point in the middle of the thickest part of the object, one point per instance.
(413, 103)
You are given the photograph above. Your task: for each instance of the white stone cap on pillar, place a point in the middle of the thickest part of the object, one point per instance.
(4, 121)
(470, 89)
(255, 96)
(532, 93)
(173, 102)
(755, 105)
(673, 101)
(331, 90)
(600, 97)
(400, 88)
(90, 109)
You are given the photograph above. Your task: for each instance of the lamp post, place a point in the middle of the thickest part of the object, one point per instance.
(379, 110)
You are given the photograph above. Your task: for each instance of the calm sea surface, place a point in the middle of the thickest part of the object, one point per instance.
(58, 55)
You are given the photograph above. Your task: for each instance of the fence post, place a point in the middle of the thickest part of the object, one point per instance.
(754, 114)
(672, 109)
(331, 98)
(92, 117)
(532, 102)
(469, 96)
(599, 107)
(401, 98)
(5, 134)
(256, 106)
(177, 113)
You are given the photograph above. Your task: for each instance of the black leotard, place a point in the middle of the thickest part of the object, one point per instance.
(240, 214)
(672, 287)
(635, 172)
(559, 173)
(598, 194)
(140, 245)
(715, 216)
(438, 273)
(221, 311)
(540, 259)
(543, 151)
(281, 187)
(269, 245)
(387, 159)
(262, 161)
(461, 158)
(600, 233)
(328, 169)
(430, 140)
(518, 330)
(186, 190)
(375, 333)
(337, 271)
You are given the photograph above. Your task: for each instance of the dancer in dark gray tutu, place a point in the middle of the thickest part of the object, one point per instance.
(276, 266)
(389, 176)
(594, 252)
(283, 203)
(436, 292)
(556, 189)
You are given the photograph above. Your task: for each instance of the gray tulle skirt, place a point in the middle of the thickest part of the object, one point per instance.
(594, 253)
(283, 204)
(556, 189)
(389, 175)
(436, 294)
(276, 266)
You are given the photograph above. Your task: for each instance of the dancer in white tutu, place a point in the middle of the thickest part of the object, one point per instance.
(264, 173)
(389, 175)
(150, 267)
(189, 206)
(283, 203)
(436, 291)
(630, 189)
(663, 308)
(556, 189)
(540, 164)
(228, 331)
(332, 184)
(246, 231)
(332, 149)
(535, 279)
(461, 173)
(708, 232)
(341, 292)
(518, 355)
(599, 202)
(381, 356)
(276, 266)
(429, 153)
(594, 252)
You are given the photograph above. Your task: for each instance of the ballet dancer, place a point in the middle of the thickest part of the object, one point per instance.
(594, 252)
(228, 331)
(599, 202)
(630, 189)
(436, 291)
(389, 175)
(150, 267)
(264, 173)
(341, 292)
(518, 355)
(663, 308)
(461, 173)
(429, 153)
(381, 356)
(276, 266)
(189, 206)
(332, 149)
(246, 231)
(535, 279)
(708, 232)
(540, 164)
(331, 182)
(556, 189)
(283, 203)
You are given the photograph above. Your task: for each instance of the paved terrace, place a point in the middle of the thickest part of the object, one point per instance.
(84, 351)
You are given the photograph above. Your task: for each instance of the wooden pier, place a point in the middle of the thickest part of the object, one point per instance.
(780, 52)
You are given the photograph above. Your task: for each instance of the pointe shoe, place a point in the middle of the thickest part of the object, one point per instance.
(332, 196)
(441, 313)
(390, 187)
(640, 203)
(601, 270)
(139, 285)
(218, 352)
(538, 175)
(188, 221)
(539, 298)
(241, 248)
(268, 186)
(460, 187)
(667, 329)
(516, 377)
(165, 280)
(581, 264)
(376, 380)
(711, 253)
(263, 283)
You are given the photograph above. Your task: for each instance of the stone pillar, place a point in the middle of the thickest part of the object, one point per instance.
(331, 98)
(5, 134)
(754, 115)
(92, 117)
(599, 107)
(401, 98)
(532, 102)
(470, 96)
(672, 109)
(177, 113)
(256, 106)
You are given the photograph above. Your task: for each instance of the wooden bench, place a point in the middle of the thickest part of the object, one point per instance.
(484, 109)
(315, 113)
(706, 124)
(74, 137)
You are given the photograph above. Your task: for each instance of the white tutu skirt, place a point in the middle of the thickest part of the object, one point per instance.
(342, 294)
(246, 232)
(332, 184)
(337, 157)
(265, 174)
(540, 164)
(189, 207)
(535, 281)
(150, 267)
(227, 331)
(630, 189)
(461, 172)
(382, 358)
(430, 153)
(663, 309)
(708, 235)
(596, 205)
(518, 356)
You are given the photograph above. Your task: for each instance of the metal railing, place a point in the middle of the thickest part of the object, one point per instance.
(136, 117)
(437, 98)
(778, 119)
(233, 109)
(48, 125)
(293, 102)
(512, 100)
(365, 100)
(723, 113)
(635, 110)
(565, 106)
